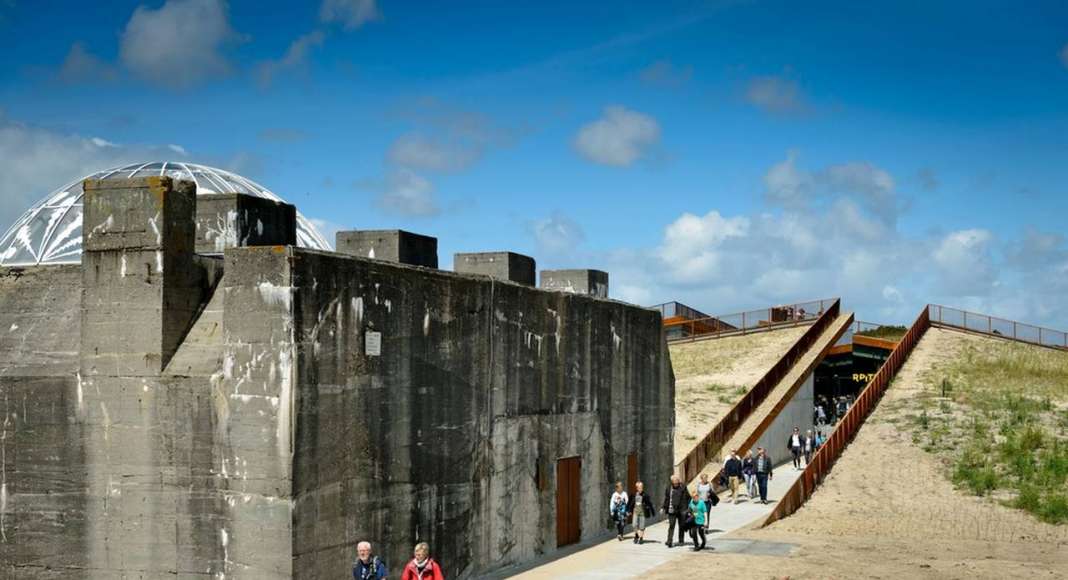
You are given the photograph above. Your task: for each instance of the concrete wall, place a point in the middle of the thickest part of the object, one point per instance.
(797, 413)
(439, 437)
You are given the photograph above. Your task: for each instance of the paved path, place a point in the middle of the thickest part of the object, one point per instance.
(615, 559)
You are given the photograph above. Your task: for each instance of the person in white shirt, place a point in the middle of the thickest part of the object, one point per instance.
(795, 442)
(617, 508)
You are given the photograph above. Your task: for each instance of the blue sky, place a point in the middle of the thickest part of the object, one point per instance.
(725, 154)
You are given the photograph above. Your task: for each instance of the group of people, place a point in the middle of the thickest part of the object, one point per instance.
(829, 411)
(688, 510)
(421, 567)
(804, 446)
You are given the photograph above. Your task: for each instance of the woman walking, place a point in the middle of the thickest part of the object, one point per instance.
(700, 520)
(704, 493)
(422, 566)
(641, 507)
(617, 509)
(750, 475)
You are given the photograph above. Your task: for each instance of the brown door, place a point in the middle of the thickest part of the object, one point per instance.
(568, 483)
(632, 475)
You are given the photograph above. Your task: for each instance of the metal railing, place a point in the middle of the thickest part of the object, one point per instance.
(717, 437)
(744, 322)
(847, 427)
(678, 309)
(983, 324)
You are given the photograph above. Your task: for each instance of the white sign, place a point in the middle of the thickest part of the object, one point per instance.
(372, 343)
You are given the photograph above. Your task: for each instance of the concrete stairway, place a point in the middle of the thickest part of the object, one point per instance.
(764, 415)
(200, 354)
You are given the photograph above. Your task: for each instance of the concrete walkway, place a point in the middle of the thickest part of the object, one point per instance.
(615, 559)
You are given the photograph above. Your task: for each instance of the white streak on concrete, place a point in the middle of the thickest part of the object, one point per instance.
(159, 261)
(426, 323)
(153, 222)
(371, 254)
(122, 265)
(13, 328)
(107, 421)
(357, 312)
(274, 295)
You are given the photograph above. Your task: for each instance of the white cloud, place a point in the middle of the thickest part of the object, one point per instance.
(81, 66)
(178, 149)
(619, 138)
(863, 182)
(557, 235)
(296, 57)
(179, 44)
(785, 184)
(351, 14)
(421, 152)
(407, 193)
(965, 263)
(774, 94)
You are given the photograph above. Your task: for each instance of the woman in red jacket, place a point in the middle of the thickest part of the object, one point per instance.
(422, 567)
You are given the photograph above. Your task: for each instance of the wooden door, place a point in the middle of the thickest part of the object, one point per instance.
(568, 496)
(632, 476)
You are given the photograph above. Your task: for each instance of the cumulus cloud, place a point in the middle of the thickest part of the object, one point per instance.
(295, 58)
(663, 73)
(407, 193)
(179, 44)
(351, 14)
(774, 94)
(872, 187)
(81, 66)
(557, 235)
(965, 262)
(619, 138)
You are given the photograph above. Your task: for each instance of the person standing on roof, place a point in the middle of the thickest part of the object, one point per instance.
(794, 443)
(763, 470)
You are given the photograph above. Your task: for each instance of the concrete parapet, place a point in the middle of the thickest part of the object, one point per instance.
(591, 282)
(229, 220)
(501, 265)
(390, 246)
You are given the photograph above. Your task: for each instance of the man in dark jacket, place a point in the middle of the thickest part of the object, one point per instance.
(733, 469)
(762, 468)
(676, 506)
(367, 566)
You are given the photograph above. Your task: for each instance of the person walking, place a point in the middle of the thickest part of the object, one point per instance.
(733, 469)
(422, 566)
(749, 475)
(676, 506)
(641, 507)
(705, 492)
(808, 446)
(793, 443)
(367, 566)
(763, 470)
(700, 521)
(617, 508)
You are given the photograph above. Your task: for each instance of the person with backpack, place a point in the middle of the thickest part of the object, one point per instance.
(700, 521)
(422, 566)
(641, 507)
(617, 509)
(367, 566)
(676, 506)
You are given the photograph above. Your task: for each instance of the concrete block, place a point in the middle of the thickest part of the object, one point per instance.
(390, 246)
(501, 265)
(231, 220)
(590, 282)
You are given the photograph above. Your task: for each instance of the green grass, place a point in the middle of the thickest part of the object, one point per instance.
(1003, 427)
(885, 332)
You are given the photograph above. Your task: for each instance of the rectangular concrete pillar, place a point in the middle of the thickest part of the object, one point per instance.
(591, 282)
(389, 245)
(231, 220)
(501, 265)
(141, 286)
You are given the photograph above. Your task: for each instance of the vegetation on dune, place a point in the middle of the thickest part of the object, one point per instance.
(998, 417)
(885, 332)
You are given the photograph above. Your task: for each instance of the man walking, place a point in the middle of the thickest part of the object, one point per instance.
(676, 505)
(733, 469)
(794, 443)
(367, 566)
(762, 469)
(808, 446)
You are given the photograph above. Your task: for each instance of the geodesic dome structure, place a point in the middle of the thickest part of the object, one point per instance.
(51, 231)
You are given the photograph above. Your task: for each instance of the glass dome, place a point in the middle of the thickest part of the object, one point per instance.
(51, 231)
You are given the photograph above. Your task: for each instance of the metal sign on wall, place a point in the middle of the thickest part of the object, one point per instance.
(372, 343)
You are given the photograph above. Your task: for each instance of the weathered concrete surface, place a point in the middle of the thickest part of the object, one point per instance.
(389, 245)
(178, 422)
(439, 437)
(228, 220)
(500, 265)
(797, 413)
(591, 282)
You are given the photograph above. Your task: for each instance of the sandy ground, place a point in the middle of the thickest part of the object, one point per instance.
(712, 375)
(888, 511)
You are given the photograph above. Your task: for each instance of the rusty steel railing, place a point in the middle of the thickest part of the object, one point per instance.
(847, 427)
(717, 437)
(678, 326)
(999, 327)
